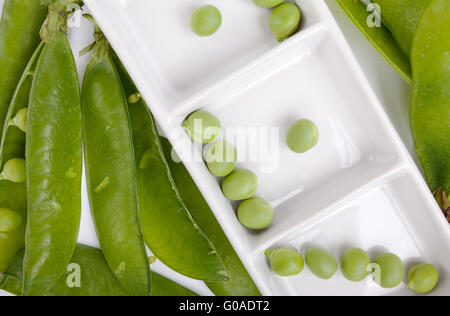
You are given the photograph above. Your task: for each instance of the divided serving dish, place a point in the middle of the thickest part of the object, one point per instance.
(358, 188)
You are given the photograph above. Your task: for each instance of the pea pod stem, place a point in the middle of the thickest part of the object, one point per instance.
(56, 19)
(443, 202)
(100, 45)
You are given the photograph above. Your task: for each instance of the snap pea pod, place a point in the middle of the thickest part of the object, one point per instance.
(12, 145)
(168, 227)
(111, 172)
(402, 17)
(12, 142)
(96, 279)
(240, 283)
(380, 37)
(162, 286)
(429, 115)
(13, 197)
(54, 166)
(19, 37)
(430, 109)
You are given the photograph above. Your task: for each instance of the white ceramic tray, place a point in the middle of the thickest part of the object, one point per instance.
(357, 188)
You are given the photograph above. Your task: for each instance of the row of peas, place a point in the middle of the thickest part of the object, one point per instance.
(284, 20)
(242, 184)
(221, 159)
(14, 171)
(387, 268)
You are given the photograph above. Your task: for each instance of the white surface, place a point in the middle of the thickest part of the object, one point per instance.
(358, 187)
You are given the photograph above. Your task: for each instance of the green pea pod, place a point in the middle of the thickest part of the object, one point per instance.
(380, 37)
(402, 17)
(54, 166)
(430, 110)
(165, 287)
(111, 175)
(240, 283)
(12, 142)
(169, 230)
(12, 145)
(95, 278)
(19, 37)
(14, 197)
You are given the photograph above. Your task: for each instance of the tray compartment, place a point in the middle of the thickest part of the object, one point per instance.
(388, 217)
(174, 62)
(258, 107)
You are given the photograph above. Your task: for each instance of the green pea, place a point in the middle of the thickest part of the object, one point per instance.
(206, 20)
(240, 185)
(268, 3)
(9, 220)
(20, 120)
(255, 213)
(221, 158)
(134, 98)
(285, 262)
(285, 20)
(422, 278)
(203, 127)
(14, 171)
(389, 270)
(321, 263)
(354, 264)
(302, 136)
